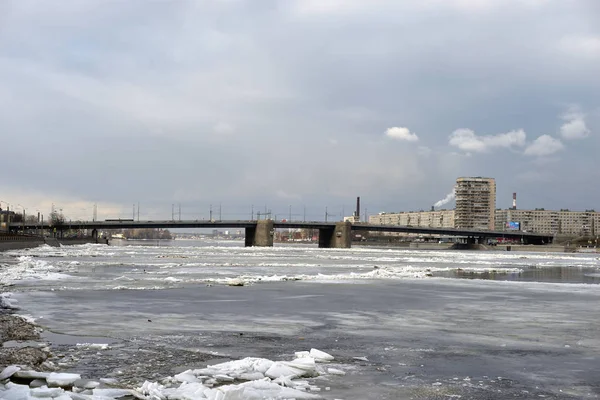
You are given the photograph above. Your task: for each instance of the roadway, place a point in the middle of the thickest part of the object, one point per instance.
(242, 224)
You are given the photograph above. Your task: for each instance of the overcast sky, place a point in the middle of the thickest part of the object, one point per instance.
(305, 103)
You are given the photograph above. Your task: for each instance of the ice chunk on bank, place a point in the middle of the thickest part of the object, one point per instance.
(31, 374)
(234, 369)
(45, 391)
(8, 372)
(236, 282)
(257, 390)
(320, 355)
(112, 393)
(12, 391)
(7, 302)
(94, 346)
(300, 367)
(62, 379)
(335, 371)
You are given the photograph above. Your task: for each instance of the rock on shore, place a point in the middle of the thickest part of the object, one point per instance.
(13, 327)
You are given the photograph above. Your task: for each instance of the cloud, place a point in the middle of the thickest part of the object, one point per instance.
(544, 145)
(581, 46)
(424, 151)
(73, 207)
(467, 140)
(117, 88)
(574, 127)
(340, 7)
(401, 133)
(224, 128)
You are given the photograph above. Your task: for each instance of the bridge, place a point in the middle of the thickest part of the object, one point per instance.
(260, 232)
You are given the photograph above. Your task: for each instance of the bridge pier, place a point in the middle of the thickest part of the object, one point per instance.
(95, 235)
(260, 235)
(338, 237)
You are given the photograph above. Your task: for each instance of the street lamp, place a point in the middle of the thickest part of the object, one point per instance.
(23, 221)
(6, 213)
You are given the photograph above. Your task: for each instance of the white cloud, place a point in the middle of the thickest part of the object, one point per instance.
(544, 145)
(467, 140)
(401, 133)
(574, 127)
(224, 128)
(340, 7)
(72, 207)
(582, 46)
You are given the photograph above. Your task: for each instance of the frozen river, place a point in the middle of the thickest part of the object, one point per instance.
(401, 324)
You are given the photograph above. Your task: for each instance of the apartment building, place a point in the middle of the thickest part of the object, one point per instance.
(475, 203)
(584, 223)
(421, 219)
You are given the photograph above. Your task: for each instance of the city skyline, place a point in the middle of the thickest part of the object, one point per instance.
(299, 103)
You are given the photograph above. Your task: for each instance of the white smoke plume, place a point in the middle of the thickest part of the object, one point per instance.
(446, 199)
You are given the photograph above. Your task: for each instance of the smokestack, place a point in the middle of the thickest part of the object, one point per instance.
(432, 208)
(358, 207)
(514, 207)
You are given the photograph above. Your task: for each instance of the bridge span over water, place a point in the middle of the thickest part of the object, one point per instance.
(260, 233)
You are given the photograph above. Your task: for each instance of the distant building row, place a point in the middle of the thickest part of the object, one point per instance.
(476, 209)
(586, 223)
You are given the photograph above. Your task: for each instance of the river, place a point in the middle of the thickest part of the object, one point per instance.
(401, 323)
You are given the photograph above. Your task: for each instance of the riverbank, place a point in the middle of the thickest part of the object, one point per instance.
(19, 338)
(546, 248)
(19, 242)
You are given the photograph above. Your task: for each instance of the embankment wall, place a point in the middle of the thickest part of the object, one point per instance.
(16, 242)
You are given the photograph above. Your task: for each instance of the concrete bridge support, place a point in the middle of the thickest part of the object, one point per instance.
(95, 235)
(338, 237)
(260, 235)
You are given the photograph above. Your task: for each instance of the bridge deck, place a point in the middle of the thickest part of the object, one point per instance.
(241, 224)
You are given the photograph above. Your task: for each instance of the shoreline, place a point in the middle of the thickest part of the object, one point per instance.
(20, 340)
(547, 248)
(33, 242)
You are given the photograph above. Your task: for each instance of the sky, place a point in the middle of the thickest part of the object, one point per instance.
(295, 106)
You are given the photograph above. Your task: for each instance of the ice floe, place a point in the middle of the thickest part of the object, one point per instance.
(29, 268)
(6, 301)
(68, 267)
(94, 346)
(246, 379)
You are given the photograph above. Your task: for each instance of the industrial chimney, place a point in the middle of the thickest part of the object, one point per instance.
(514, 206)
(358, 208)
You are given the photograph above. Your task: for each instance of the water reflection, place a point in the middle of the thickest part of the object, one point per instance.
(569, 274)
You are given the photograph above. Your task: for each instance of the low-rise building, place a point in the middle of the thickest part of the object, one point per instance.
(421, 219)
(583, 223)
(550, 222)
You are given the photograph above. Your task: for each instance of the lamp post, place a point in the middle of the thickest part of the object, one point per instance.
(6, 213)
(38, 222)
(23, 220)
